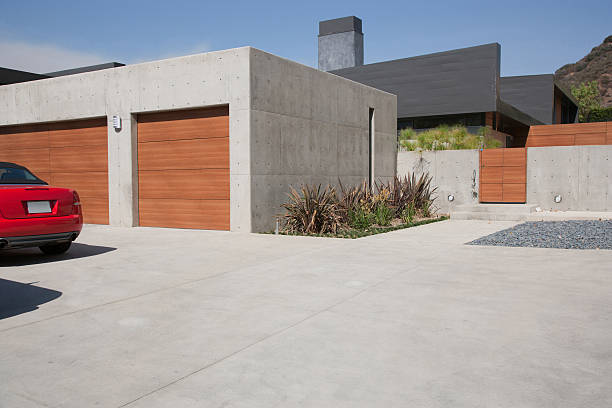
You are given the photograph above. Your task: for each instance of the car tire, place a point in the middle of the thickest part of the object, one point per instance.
(56, 249)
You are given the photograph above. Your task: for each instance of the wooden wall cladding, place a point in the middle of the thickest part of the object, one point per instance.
(183, 169)
(70, 154)
(571, 134)
(503, 175)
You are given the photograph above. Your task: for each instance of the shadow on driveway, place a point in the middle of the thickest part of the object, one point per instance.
(17, 298)
(33, 256)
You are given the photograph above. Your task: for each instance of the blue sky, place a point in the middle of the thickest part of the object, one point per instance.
(536, 36)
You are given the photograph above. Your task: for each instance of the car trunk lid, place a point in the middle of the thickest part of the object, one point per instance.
(14, 201)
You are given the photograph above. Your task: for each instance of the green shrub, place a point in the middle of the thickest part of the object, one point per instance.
(446, 137)
(383, 215)
(600, 115)
(361, 219)
(589, 99)
(409, 213)
(427, 209)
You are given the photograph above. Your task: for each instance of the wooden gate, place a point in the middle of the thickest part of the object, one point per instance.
(503, 175)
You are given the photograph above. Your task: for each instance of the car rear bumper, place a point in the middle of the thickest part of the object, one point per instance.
(15, 229)
(37, 240)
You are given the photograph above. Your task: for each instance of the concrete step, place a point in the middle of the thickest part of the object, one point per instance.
(569, 215)
(493, 212)
(497, 208)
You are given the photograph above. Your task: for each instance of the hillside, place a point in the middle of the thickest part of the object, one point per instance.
(596, 66)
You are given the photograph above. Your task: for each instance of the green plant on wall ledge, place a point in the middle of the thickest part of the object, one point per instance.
(446, 137)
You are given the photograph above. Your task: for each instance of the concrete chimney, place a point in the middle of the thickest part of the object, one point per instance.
(340, 43)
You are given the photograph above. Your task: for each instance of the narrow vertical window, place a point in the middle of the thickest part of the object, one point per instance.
(371, 148)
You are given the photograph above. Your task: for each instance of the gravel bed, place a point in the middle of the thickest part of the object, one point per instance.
(553, 234)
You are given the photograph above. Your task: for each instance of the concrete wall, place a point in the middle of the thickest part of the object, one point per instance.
(309, 126)
(452, 172)
(200, 80)
(582, 175)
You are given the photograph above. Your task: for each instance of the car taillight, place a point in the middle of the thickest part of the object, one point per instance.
(76, 203)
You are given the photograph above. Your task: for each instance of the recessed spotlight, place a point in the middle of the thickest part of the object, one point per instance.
(558, 198)
(451, 197)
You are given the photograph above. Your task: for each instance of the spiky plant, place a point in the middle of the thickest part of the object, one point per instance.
(406, 190)
(353, 198)
(311, 211)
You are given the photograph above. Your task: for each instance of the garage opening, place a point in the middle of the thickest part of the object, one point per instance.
(183, 169)
(71, 154)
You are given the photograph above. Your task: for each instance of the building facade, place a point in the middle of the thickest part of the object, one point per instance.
(211, 141)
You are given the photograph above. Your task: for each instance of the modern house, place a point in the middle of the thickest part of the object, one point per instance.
(460, 86)
(212, 141)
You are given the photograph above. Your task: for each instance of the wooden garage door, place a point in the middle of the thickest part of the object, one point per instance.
(183, 169)
(503, 175)
(65, 154)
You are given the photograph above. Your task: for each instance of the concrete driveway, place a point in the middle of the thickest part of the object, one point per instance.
(177, 318)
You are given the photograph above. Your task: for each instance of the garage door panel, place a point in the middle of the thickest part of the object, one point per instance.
(37, 160)
(183, 169)
(183, 114)
(203, 128)
(87, 184)
(202, 214)
(210, 184)
(184, 154)
(79, 158)
(95, 210)
(92, 136)
(30, 137)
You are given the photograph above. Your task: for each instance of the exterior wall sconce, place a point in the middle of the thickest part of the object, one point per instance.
(451, 197)
(117, 122)
(558, 198)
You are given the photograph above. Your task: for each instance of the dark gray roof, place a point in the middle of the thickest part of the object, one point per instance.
(451, 82)
(512, 112)
(89, 68)
(340, 25)
(13, 76)
(533, 94)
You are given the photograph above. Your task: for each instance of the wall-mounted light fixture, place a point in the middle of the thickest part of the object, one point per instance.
(558, 198)
(117, 122)
(451, 197)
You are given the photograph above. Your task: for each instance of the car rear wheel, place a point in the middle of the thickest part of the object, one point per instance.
(55, 249)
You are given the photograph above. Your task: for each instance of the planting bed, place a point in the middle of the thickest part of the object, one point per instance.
(373, 230)
(553, 234)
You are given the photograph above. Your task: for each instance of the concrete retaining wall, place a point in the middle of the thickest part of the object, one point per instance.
(582, 175)
(452, 171)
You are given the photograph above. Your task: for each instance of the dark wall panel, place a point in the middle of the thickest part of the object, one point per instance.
(532, 94)
(457, 81)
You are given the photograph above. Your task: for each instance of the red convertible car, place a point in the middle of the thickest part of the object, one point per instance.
(33, 214)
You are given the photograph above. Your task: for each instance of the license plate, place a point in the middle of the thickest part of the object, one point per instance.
(39, 207)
